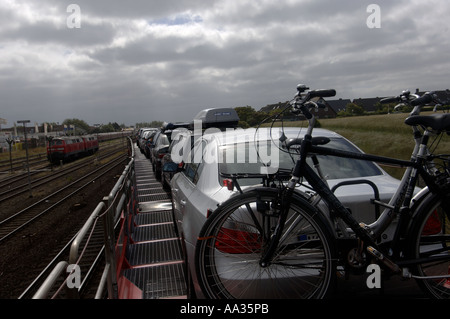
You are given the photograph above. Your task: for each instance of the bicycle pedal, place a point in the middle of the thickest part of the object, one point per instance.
(386, 261)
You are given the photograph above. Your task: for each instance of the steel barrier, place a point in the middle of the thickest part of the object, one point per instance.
(114, 212)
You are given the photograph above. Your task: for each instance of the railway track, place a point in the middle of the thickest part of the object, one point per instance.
(37, 161)
(16, 185)
(17, 165)
(11, 225)
(91, 253)
(33, 236)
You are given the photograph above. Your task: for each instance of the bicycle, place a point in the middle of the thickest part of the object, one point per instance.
(276, 241)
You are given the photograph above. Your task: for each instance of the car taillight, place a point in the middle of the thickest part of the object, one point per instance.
(228, 183)
(233, 241)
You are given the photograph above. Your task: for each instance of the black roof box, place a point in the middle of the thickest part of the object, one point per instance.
(217, 117)
(172, 126)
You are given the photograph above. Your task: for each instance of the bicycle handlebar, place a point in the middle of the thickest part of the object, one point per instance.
(322, 93)
(388, 100)
(424, 99)
(303, 102)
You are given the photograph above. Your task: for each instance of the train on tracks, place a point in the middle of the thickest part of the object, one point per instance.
(66, 148)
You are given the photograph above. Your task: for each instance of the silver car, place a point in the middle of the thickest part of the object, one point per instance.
(198, 189)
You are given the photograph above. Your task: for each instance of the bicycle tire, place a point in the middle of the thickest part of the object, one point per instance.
(429, 236)
(231, 244)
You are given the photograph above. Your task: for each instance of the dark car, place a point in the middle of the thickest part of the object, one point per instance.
(182, 140)
(142, 137)
(161, 143)
(148, 143)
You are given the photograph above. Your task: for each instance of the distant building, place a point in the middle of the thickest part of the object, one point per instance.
(339, 105)
(368, 104)
(327, 112)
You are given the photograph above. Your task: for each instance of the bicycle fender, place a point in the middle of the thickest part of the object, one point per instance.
(419, 197)
(415, 206)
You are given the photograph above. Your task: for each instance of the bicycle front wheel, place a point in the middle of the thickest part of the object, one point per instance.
(430, 244)
(232, 241)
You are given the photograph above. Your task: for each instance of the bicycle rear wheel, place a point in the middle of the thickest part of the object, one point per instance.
(232, 241)
(430, 244)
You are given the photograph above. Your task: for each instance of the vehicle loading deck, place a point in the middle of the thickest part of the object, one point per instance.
(154, 264)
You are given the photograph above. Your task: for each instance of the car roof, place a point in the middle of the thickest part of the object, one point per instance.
(231, 136)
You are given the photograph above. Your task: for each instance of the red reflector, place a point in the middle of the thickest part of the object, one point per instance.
(228, 183)
(433, 225)
(237, 242)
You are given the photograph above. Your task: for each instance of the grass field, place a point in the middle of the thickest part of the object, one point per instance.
(384, 135)
(16, 153)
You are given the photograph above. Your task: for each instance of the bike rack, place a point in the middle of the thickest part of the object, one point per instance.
(374, 201)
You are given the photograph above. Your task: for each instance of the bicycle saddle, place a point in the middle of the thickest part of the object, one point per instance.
(438, 122)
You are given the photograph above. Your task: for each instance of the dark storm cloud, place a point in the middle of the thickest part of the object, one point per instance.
(150, 60)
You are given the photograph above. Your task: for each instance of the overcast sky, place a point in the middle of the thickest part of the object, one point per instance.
(140, 60)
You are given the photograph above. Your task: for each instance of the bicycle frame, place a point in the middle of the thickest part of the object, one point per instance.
(400, 200)
(399, 203)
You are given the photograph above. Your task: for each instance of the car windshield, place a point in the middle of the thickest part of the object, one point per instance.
(243, 158)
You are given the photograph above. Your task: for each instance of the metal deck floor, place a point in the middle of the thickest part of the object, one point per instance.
(155, 252)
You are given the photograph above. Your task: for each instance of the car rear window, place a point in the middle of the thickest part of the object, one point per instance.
(241, 158)
(163, 140)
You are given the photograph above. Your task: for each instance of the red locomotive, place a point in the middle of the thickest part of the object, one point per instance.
(67, 148)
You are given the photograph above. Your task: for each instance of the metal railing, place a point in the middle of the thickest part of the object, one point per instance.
(113, 212)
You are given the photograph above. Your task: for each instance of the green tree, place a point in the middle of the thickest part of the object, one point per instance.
(249, 117)
(107, 128)
(116, 126)
(149, 124)
(81, 127)
(352, 109)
